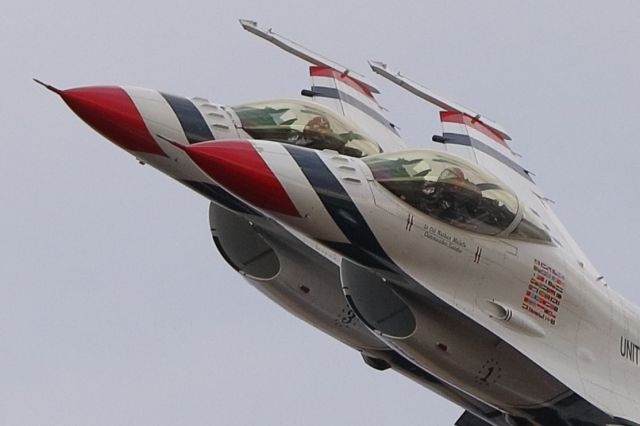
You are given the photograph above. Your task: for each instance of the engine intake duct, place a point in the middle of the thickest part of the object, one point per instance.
(375, 302)
(241, 246)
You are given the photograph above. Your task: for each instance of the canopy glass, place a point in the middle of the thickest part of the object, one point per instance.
(306, 124)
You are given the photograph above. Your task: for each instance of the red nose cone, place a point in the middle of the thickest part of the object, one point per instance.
(240, 169)
(112, 113)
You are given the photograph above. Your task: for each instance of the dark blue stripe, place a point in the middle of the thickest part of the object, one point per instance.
(458, 139)
(333, 93)
(341, 208)
(219, 196)
(193, 124)
(624, 422)
(357, 255)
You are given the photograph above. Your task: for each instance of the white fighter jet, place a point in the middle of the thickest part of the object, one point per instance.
(447, 265)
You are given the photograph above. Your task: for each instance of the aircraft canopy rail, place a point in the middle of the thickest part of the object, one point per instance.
(456, 192)
(428, 95)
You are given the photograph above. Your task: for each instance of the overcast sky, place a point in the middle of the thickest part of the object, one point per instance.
(115, 307)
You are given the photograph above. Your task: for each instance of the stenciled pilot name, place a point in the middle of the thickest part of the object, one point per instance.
(454, 243)
(629, 350)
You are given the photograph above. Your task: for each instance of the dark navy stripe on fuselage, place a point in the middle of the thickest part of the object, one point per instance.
(364, 246)
(193, 124)
(220, 196)
(333, 93)
(458, 139)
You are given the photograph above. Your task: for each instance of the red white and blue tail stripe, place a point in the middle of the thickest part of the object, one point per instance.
(470, 138)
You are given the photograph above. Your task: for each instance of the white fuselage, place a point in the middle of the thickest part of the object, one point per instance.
(523, 327)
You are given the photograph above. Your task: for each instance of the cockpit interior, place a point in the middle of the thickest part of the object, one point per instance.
(456, 192)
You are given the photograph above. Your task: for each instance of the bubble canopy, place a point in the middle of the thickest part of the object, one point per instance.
(456, 192)
(304, 123)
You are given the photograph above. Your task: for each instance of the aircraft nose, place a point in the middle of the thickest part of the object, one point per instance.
(239, 168)
(110, 111)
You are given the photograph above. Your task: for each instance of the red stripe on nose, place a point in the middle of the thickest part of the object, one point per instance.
(112, 113)
(239, 168)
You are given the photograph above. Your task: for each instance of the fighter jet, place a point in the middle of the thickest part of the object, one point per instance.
(446, 265)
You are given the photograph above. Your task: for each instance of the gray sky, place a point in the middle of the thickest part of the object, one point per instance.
(115, 307)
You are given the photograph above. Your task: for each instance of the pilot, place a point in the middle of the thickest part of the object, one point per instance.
(453, 197)
(452, 175)
(318, 134)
